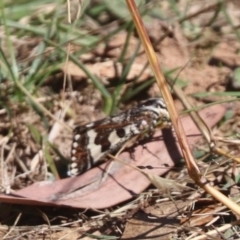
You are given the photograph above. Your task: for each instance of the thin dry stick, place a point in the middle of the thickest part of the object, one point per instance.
(215, 232)
(192, 167)
(202, 126)
(195, 116)
(203, 10)
(13, 227)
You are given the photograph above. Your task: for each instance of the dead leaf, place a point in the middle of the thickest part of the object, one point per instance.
(95, 190)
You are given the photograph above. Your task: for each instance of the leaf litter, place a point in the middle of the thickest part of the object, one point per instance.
(25, 173)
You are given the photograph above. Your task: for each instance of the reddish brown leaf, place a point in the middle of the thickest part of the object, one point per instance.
(94, 189)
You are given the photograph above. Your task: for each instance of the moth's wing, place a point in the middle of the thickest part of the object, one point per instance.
(93, 141)
(79, 155)
(84, 152)
(110, 135)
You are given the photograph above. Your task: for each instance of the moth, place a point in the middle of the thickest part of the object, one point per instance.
(93, 141)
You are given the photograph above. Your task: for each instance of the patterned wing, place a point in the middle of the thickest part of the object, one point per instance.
(93, 141)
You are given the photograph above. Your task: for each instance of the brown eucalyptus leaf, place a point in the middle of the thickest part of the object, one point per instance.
(112, 183)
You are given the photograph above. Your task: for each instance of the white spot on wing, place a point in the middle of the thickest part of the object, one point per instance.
(89, 125)
(73, 172)
(144, 123)
(94, 149)
(134, 129)
(75, 144)
(77, 136)
(73, 165)
(74, 151)
(113, 138)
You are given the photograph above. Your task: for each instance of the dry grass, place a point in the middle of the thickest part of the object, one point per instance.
(55, 72)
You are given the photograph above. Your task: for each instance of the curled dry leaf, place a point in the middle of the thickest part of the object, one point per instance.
(98, 189)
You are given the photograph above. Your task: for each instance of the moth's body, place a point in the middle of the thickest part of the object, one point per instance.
(93, 141)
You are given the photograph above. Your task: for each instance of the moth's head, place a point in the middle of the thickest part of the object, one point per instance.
(158, 107)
